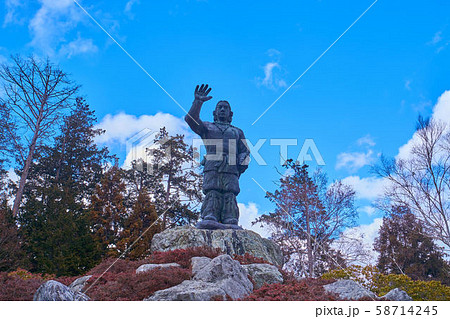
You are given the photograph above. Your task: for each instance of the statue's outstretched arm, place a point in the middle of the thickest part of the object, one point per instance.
(193, 116)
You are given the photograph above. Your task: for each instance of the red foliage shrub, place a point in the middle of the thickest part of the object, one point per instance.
(16, 288)
(306, 289)
(182, 256)
(249, 259)
(220, 298)
(116, 266)
(132, 286)
(121, 282)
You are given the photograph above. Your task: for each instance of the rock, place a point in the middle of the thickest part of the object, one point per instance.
(212, 225)
(228, 274)
(78, 284)
(397, 295)
(230, 241)
(147, 267)
(189, 290)
(198, 263)
(263, 274)
(56, 291)
(220, 276)
(349, 289)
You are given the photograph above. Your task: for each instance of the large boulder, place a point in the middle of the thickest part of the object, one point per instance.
(56, 291)
(189, 290)
(148, 267)
(264, 274)
(228, 274)
(349, 290)
(218, 277)
(198, 263)
(230, 241)
(79, 284)
(397, 295)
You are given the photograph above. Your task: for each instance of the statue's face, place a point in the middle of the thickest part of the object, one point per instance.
(223, 112)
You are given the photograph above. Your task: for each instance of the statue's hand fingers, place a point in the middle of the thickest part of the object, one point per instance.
(208, 98)
(196, 89)
(207, 91)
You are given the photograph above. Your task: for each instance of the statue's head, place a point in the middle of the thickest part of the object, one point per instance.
(222, 112)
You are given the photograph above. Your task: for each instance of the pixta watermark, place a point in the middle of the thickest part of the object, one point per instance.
(141, 149)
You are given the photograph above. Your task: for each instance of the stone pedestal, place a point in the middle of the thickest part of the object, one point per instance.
(230, 241)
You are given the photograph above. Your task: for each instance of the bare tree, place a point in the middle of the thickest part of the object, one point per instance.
(309, 216)
(422, 181)
(36, 93)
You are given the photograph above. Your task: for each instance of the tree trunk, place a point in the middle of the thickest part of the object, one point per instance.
(25, 171)
(309, 246)
(169, 180)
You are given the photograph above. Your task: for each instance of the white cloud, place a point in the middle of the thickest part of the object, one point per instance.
(51, 24)
(369, 210)
(408, 85)
(355, 160)
(248, 214)
(360, 239)
(11, 16)
(78, 46)
(12, 175)
(136, 134)
(120, 127)
(366, 140)
(366, 188)
(441, 112)
(129, 6)
(272, 77)
(439, 42)
(436, 38)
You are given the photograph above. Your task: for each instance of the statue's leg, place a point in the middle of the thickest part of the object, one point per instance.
(230, 212)
(212, 205)
(213, 201)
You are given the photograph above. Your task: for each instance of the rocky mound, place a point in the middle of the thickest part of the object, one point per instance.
(231, 241)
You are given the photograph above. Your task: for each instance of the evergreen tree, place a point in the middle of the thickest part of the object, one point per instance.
(56, 233)
(8, 133)
(405, 249)
(139, 227)
(55, 225)
(11, 252)
(108, 211)
(172, 163)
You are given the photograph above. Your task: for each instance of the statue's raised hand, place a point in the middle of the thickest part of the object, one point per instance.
(201, 93)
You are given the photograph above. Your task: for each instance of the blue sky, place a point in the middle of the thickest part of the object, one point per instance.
(359, 100)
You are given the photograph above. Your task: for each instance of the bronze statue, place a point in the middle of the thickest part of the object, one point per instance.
(227, 157)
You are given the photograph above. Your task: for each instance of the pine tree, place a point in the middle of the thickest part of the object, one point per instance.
(108, 211)
(172, 162)
(11, 252)
(54, 221)
(405, 249)
(139, 228)
(8, 133)
(56, 233)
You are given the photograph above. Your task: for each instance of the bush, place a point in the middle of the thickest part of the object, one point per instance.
(132, 286)
(417, 289)
(247, 259)
(182, 256)
(371, 278)
(303, 290)
(19, 285)
(121, 282)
